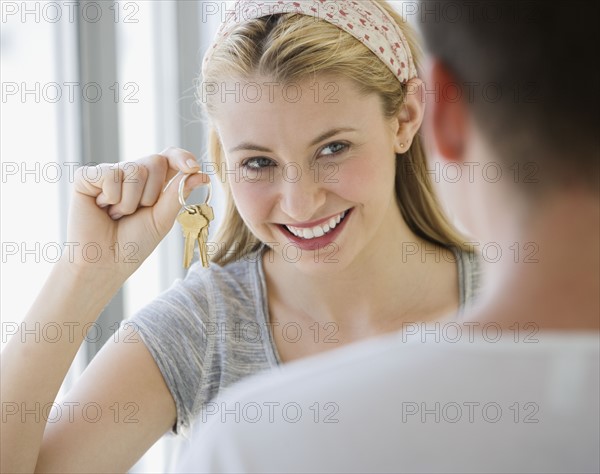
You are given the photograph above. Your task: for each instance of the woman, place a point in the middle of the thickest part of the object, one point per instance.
(332, 234)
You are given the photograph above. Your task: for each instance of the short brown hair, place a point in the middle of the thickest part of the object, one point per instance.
(540, 56)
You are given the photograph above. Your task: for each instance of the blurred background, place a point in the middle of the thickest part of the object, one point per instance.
(87, 82)
(91, 82)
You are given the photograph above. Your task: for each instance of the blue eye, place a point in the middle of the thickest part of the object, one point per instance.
(257, 163)
(337, 147)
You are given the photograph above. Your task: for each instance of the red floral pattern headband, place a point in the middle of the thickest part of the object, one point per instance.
(364, 20)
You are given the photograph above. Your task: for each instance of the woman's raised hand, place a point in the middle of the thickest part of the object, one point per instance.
(119, 212)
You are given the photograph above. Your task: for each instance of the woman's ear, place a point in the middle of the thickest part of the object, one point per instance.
(449, 116)
(410, 116)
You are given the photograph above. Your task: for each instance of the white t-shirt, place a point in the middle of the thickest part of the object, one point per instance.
(486, 400)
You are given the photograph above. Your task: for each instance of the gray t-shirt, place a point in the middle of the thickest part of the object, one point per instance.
(212, 328)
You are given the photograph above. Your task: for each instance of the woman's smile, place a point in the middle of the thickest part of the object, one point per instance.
(317, 236)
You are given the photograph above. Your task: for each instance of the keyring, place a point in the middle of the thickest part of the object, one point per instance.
(182, 199)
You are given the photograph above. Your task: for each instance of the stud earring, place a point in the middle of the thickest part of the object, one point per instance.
(401, 145)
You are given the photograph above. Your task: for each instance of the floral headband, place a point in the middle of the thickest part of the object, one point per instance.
(365, 20)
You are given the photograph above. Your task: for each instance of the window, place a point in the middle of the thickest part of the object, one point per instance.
(90, 82)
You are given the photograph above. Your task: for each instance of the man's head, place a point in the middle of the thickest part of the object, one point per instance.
(527, 70)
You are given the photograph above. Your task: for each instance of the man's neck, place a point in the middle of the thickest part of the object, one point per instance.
(557, 287)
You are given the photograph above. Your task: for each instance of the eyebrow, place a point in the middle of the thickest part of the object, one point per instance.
(320, 138)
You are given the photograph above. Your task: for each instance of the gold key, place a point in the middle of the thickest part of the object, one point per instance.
(208, 214)
(192, 222)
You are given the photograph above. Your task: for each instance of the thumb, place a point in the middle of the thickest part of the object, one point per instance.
(168, 206)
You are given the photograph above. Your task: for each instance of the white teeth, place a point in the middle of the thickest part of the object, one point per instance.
(319, 230)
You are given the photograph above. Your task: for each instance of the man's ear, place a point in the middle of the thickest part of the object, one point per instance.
(410, 117)
(449, 113)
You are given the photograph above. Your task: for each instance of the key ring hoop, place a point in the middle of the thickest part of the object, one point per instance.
(182, 199)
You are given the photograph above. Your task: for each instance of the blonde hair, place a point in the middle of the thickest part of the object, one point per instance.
(292, 47)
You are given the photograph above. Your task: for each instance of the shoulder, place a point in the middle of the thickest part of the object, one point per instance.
(205, 287)
(383, 386)
(188, 331)
(204, 295)
(363, 368)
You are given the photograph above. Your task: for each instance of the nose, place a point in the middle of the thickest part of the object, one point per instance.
(302, 195)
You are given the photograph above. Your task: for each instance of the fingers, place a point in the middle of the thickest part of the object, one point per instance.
(170, 165)
(133, 178)
(124, 187)
(168, 205)
(162, 169)
(121, 186)
(179, 160)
